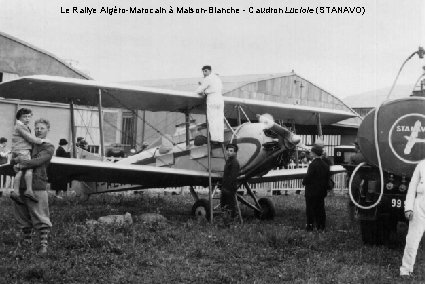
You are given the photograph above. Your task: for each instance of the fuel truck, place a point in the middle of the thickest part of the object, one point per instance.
(391, 140)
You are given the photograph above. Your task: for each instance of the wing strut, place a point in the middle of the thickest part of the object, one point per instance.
(319, 125)
(242, 110)
(238, 115)
(187, 122)
(293, 126)
(101, 124)
(73, 142)
(209, 149)
(143, 126)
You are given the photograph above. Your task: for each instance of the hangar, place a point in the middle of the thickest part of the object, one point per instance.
(129, 129)
(17, 59)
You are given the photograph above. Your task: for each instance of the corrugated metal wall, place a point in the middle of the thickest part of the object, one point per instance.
(289, 89)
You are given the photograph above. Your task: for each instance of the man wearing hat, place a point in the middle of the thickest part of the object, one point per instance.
(59, 184)
(316, 185)
(211, 86)
(228, 198)
(60, 152)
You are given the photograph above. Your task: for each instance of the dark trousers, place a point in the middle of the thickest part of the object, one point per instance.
(315, 212)
(228, 201)
(59, 185)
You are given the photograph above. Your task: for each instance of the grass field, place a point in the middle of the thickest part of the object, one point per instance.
(184, 250)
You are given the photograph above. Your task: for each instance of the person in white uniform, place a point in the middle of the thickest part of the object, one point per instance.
(415, 213)
(211, 86)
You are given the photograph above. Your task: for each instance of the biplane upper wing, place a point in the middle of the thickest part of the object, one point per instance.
(287, 174)
(86, 92)
(146, 176)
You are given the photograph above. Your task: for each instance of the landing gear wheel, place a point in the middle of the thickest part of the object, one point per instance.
(267, 208)
(201, 208)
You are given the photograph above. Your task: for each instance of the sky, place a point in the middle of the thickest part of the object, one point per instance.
(344, 54)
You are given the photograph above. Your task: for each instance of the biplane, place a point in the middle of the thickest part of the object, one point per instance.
(263, 144)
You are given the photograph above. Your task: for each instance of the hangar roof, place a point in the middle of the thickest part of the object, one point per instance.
(5, 54)
(190, 84)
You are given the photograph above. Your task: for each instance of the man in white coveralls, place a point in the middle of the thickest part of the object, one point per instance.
(211, 86)
(415, 213)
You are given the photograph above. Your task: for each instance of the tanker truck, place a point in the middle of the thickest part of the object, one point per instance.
(391, 140)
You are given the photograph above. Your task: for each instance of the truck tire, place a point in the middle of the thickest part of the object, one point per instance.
(367, 231)
(374, 232)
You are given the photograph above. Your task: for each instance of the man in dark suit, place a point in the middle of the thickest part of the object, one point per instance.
(228, 197)
(59, 183)
(316, 184)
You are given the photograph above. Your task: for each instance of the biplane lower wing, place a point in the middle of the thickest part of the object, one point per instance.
(148, 176)
(97, 171)
(287, 174)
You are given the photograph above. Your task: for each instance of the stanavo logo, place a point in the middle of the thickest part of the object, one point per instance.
(407, 138)
(417, 127)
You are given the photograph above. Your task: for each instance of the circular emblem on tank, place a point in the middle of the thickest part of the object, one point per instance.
(407, 138)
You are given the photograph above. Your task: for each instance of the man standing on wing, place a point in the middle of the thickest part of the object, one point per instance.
(211, 86)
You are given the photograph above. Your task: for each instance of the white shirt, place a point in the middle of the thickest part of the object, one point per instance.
(212, 87)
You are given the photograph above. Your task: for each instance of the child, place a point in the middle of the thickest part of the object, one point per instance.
(22, 141)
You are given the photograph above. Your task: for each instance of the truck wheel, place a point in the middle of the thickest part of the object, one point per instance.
(367, 232)
(374, 232)
(201, 209)
(268, 209)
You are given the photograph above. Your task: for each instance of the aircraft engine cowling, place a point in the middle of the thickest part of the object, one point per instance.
(260, 146)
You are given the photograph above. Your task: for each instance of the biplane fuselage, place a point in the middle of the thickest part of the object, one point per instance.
(258, 148)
